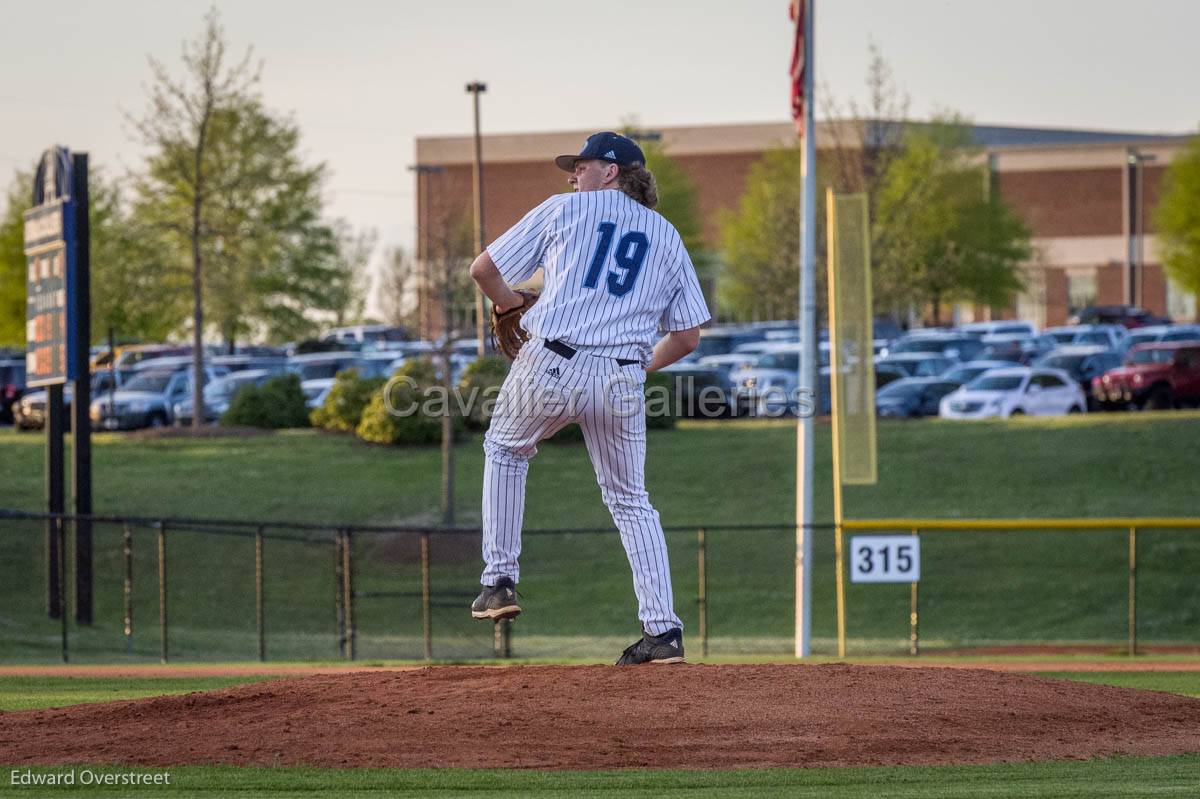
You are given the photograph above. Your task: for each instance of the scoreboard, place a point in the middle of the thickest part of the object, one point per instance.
(50, 258)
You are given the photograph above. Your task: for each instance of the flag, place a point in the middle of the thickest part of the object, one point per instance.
(799, 64)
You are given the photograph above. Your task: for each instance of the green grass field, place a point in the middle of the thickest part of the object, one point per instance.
(977, 588)
(1116, 777)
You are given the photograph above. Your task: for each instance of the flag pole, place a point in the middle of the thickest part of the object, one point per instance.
(808, 349)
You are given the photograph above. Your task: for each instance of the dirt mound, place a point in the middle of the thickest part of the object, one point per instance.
(592, 717)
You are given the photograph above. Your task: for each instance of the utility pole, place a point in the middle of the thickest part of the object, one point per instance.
(477, 88)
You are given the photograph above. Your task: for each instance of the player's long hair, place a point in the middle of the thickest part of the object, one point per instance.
(638, 182)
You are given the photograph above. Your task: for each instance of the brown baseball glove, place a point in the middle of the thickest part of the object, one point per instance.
(507, 332)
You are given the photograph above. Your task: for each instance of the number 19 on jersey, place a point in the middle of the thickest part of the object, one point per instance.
(885, 559)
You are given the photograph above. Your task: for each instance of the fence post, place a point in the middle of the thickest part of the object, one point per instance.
(426, 615)
(348, 583)
(702, 590)
(339, 595)
(61, 569)
(914, 643)
(162, 591)
(259, 597)
(1132, 591)
(128, 588)
(502, 638)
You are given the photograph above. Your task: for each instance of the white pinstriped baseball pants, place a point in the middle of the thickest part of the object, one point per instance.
(543, 393)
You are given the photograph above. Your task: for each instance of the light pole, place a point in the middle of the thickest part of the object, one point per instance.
(1137, 224)
(425, 210)
(477, 88)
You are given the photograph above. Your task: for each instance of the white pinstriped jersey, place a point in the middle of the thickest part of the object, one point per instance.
(616, 273)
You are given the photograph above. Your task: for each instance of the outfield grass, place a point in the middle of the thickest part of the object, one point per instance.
(1115, 777)
(977, 588)
(32, 693)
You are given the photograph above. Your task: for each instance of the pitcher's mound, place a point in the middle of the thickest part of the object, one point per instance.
(595, 717)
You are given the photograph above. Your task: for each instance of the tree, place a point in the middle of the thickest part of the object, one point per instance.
(398, 289)
(761, 242)
(131, 294)
(347, 291)
(12, 260)
(938, 234)
(1178, 218)
(185, 173)
(234, 205)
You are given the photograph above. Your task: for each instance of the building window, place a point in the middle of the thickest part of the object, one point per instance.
(1081, 291)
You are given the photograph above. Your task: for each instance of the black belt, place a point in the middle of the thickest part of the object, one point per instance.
(568, 352)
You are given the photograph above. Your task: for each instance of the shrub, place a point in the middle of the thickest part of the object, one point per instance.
(349, 396)
(381, 426)
(275, 404)
(480, 385)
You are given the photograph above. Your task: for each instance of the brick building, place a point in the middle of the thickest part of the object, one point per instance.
(1077, 191)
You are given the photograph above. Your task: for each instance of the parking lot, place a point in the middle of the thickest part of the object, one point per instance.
(975, 370)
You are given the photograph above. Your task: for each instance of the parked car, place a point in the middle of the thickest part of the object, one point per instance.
(1124, 315)
(912, 397)
(147, 400)
(774, 372)
(1016, 348)
(917, 364)
(315, 391)
(951, 345)
(243, 362)
(887, 373)
(727, 363)
(218, 395)
(966, 372)
(30, 412)
(358, 335)
(317, 365)
(1015, 391)
(130, 356)
(1084, 364)
(999, 327)
(12, 386)
(1154, 376)
(704, 392)
(724, 339)
(1108, 336)
(381, 363)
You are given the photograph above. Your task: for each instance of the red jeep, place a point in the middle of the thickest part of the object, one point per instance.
(1165, 375)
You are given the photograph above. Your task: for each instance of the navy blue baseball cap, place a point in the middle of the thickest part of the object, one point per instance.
(605, 146)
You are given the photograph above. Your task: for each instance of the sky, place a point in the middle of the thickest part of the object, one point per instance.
(365, 78)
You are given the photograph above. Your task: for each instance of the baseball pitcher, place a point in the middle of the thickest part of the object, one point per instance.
(616, 272)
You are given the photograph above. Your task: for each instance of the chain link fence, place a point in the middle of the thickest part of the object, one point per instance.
(210, 590)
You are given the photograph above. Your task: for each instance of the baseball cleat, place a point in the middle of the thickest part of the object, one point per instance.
(665, 648)
(497, 602)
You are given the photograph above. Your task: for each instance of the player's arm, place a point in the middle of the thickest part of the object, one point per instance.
(491, 282)
(673, 346)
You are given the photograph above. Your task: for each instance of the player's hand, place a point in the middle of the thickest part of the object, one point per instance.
(514, 300)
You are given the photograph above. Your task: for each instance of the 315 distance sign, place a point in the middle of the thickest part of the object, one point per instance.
(885, 559)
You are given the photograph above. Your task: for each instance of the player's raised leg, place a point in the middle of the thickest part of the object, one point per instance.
(525, 413)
